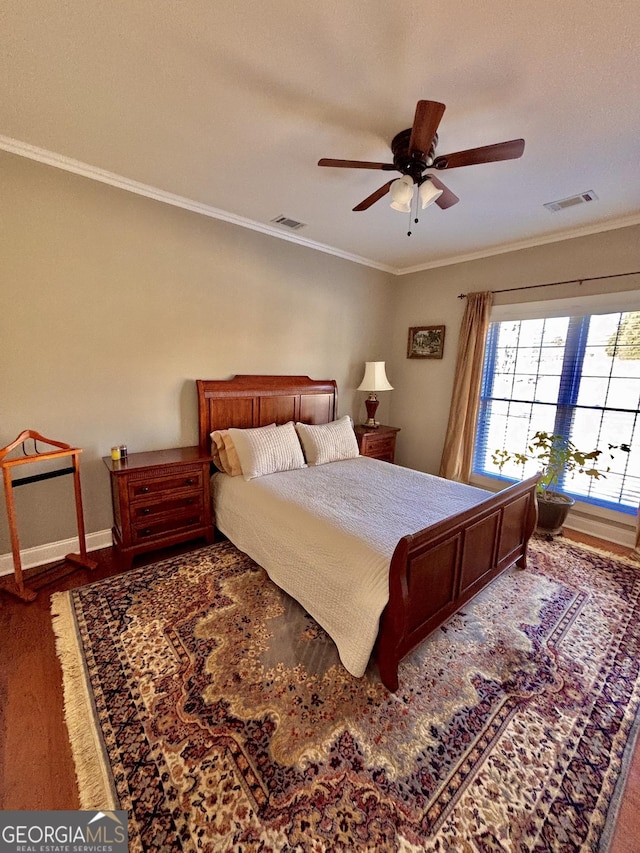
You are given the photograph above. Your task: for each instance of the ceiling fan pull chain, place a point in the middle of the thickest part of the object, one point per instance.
(415, 199)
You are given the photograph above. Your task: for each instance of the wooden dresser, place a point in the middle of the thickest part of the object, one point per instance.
(160, 498)
(377, 442)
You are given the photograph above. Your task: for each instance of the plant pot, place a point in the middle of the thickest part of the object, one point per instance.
(553, 509)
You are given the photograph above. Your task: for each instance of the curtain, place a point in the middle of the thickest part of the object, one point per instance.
(457, 455)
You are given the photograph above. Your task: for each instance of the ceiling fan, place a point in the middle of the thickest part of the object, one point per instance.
(414, 152)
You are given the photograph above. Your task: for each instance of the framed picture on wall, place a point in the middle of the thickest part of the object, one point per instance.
(426, 342)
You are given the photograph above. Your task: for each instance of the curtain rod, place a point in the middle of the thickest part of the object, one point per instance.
(556, 283)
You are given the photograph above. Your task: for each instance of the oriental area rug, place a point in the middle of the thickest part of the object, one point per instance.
(207, 703)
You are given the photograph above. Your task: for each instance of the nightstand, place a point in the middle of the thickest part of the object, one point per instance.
(160, 498)
(377, 442)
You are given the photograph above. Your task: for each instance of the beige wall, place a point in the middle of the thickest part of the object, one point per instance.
(422, 395)
(113, 304)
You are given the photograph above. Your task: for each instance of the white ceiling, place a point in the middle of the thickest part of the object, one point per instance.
(227, 107)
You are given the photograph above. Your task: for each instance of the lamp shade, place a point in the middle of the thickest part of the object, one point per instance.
(401, 192)
(428, 193)
(375, 378)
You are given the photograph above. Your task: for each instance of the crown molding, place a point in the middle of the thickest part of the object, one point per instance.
(558, 237)
(77, 167)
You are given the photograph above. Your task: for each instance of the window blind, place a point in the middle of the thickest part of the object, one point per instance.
(570, 367)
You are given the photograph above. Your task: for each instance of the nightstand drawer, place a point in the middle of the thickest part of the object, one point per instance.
(375, 445)
(190, 502)
(144, 488)
(145, 532)
(377, 442)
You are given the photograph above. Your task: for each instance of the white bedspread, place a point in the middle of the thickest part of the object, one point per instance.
(326, 535)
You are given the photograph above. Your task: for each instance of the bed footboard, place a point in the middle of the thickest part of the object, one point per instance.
(436, 571)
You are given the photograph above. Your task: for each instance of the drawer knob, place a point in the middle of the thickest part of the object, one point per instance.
(190, 481)
(146, 510)
(146, 531)
(144, 490)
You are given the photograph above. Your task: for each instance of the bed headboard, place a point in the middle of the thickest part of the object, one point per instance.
(252, 401)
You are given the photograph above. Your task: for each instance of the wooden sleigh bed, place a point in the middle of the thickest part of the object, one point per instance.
(434, 571)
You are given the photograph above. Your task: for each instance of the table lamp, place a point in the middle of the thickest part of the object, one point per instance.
(374, 380)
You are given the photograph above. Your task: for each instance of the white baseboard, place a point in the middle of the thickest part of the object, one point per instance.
(49, 553)
(602, 529)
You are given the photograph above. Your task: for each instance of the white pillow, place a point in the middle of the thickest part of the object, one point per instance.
(224, 454)
(266, 450)
(330, 442)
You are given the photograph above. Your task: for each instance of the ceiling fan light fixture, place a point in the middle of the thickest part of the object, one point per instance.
(428, 193)
(401, 194)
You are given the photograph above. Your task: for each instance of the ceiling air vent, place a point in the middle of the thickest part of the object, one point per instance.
(287, 222)
(589, 195)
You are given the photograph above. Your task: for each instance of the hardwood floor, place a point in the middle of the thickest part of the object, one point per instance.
(36, 766)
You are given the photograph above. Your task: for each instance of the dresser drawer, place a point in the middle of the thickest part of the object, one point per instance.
(144, 488)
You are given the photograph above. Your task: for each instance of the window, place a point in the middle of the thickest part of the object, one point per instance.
(577, 375)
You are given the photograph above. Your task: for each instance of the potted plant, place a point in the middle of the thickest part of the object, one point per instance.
(557, 455)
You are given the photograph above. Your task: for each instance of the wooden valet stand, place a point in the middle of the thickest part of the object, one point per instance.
(17, 586)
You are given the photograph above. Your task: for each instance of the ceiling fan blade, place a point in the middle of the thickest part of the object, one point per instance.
(374, 197)
(355, 164)
(510, 150)
(447, 199)
(425, 124)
